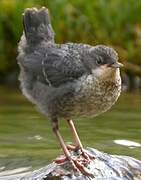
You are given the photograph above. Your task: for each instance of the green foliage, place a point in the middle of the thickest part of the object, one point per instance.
(113, 22)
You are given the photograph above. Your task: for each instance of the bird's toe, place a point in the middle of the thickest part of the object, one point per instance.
(87, 155)
(72, 147)
(79, 166)
(61, 159)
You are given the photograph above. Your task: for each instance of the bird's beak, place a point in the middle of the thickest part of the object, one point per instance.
(116, 65)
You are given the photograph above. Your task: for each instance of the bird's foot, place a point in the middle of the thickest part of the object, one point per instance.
(78, 165)
(72, 147)
(61, 159)
(83, 152)
(87, 155)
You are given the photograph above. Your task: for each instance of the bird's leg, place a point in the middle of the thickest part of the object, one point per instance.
(77, 166)
(78, 144)
(55, 128)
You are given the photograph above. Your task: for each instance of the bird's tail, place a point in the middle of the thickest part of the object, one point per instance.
(37, 25)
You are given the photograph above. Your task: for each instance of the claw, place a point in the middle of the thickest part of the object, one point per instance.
(82, 168)
(78, 164)
(86, 155)
(61, 159)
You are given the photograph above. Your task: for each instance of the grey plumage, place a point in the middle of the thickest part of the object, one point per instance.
(66, 80)
(37, 26)
(62, 80)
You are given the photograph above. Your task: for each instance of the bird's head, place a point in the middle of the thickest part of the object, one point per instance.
(103, 61)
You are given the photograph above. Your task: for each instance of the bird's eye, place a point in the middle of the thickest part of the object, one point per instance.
(99, 61)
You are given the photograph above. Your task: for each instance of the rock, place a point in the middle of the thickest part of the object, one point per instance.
(104, 167)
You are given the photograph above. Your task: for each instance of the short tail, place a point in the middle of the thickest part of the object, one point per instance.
(37, 25)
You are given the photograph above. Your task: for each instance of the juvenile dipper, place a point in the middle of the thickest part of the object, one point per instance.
(66, 80)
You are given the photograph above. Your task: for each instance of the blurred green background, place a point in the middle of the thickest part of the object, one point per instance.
(113, 22)
(26, 138)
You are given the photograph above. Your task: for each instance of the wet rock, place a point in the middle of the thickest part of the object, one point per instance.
(103, 167)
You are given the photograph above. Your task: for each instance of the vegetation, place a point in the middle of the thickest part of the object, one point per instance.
(113, 22)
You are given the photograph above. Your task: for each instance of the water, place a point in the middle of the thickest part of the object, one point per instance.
(27, 141)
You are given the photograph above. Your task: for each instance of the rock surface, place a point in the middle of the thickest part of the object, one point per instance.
(104, 167)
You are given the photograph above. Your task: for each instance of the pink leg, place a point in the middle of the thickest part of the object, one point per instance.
(77, 166)
(77, 141)
(78, 144)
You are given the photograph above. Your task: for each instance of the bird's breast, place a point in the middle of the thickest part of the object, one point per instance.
(95, 95)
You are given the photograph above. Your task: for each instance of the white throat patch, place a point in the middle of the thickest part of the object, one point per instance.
(104, 72)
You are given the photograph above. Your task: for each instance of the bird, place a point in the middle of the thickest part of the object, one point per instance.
(66, 80)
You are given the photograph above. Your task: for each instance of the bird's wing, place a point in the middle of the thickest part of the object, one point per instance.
(61, 66)
(56, 66)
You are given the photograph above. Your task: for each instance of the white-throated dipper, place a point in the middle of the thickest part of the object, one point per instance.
(66, 80)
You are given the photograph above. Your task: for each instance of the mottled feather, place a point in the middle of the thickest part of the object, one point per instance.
(65, 80)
